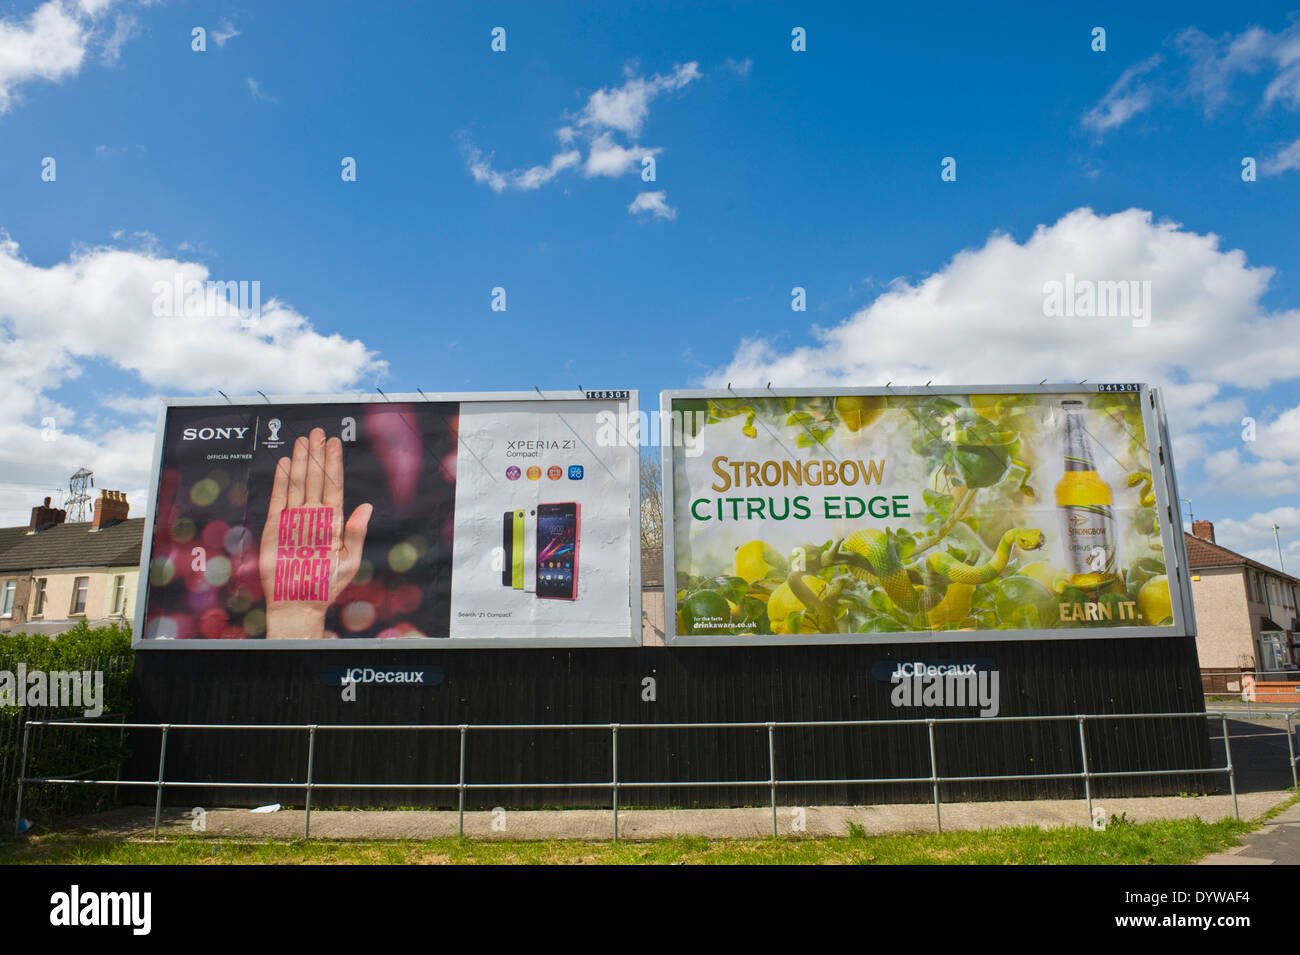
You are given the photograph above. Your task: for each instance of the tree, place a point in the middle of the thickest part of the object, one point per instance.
(652, 504)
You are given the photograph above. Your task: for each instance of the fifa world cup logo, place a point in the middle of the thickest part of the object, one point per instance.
(273, 428)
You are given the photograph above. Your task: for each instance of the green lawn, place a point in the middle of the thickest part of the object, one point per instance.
(1171, 842)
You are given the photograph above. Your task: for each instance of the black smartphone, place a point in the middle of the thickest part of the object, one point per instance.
(507, 548)
(558, 526)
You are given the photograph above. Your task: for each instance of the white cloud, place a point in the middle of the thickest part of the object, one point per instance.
(1254, 537)
(739, 67)
(1285, 159)
(655, 203)
(480, 167)
(1217, 62)
(224, 32)
(1270, 462)
(255, 89)
(97, 307)
(980, 320)
(607, 158)
(1205, 71)
(125, 26)
(1127, 97)
(610, 112)
(49, 45)
(145, 407)
(52, 43)
(626, 107)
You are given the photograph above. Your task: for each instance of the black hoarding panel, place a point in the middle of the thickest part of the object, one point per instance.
(767, 683)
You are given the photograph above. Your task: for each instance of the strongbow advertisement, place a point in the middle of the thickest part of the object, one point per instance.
(957, 516)
(476, 520)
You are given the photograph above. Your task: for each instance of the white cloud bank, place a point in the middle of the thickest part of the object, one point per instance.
(51, 44)
(980, 320)
(98, 308)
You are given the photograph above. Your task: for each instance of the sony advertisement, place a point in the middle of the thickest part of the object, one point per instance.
(473, 520)
(910, 515)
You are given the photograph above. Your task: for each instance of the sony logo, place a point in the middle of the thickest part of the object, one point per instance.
(207, 434)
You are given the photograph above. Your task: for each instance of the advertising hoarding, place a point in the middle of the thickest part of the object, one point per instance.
(911, 515)
(505, 519)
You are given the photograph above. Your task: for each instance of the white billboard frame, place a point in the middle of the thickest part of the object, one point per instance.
(629, 397)
(1164, 486)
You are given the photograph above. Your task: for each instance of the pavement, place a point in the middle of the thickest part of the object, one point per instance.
(1277, 711)
(1277, 843)
(645, 824)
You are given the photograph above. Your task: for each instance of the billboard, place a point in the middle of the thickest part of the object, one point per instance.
(465, 520)
(920, 515)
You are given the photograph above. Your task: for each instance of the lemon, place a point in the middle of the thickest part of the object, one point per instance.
(1154, 605)
(1025, 602)
(752, 561)
(986, 405)
(1047, 575)
(783, 602)
(860, 411)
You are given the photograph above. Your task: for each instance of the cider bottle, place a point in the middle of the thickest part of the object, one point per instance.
(1084, 500)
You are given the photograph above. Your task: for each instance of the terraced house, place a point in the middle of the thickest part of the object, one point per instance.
(54, 574)
(1246, 613)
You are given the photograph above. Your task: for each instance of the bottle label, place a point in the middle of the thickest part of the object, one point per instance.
(1089, 539)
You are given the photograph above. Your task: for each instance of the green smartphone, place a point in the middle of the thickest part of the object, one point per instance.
(518, 525)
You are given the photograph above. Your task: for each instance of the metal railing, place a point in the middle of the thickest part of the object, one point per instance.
(615, 783)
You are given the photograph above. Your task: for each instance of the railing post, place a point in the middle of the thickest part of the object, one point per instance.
(162, 762)
(934, 778)
(771, 770)
(1290, 748)
(22, 772)
(1232, 774)
(311, 763)
(614, 749)
(460, 786)
(1087, 774)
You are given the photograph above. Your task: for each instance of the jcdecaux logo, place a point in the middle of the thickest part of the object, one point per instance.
(382, 676)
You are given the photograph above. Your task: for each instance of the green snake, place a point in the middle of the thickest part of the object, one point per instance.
(1145, 497)
(885, 570)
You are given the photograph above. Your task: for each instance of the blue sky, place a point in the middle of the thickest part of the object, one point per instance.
(774, 169)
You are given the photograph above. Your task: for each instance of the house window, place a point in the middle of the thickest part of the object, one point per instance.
(1274, 647)
(38, 603)
(7, 598)
(79, 588)
(119, 593)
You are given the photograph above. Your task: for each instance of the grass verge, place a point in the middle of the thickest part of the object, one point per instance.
(1166, 842)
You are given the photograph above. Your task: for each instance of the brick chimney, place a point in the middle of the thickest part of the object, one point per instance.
(1204, 530)
(45, 516)
(109, 509)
